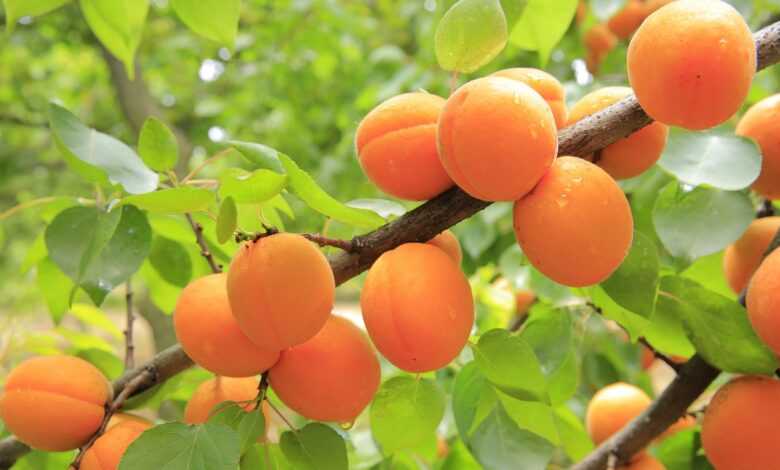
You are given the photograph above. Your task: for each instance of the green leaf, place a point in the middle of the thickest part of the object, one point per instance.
(315, 447)
(35, 254)
(250, 187)
(99, 157)
(250, 425)
(708, 271)
(634, 324)
(171, 261)
(717, 326)
(635, 283)
(261, 155)
(682, 451)
(39, 460)
(574, 438)
(226, 220)
(470, 34)
(385, 208)
(157, 145)
(119, 25)
(179, 446)
(213, 19)
(108, 363)
(90, 315)
(15, 9)
(55, 287)
(413, 404)
(542, 24)
(98, 250)
(667, 334)
(509, 363)
(696, 223)
(714, 158)
(265, 457)
(172, 200)
(512, 10)
(470, 389)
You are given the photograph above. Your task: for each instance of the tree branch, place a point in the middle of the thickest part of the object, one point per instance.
(129, 346)
(204, 248)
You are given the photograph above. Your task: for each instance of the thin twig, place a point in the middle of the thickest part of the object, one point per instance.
(262, 390)
(129, 346)
(204, 248)
(205, 163)
(284, 418)
(321, 240)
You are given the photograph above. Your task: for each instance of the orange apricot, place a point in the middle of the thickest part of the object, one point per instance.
(760, 123)
(741, 424)
(742, 258)
(612, 407)
(109, 448)
(632, 155)
(119, 418)
(691, 63)
(497, 137)
(396, 146)
(581, 13)
(628, 19)
(218, 390)
(281, 290)
(599, 41)
(524, 298)
(54, 403)
(331, 377)
(448, 242)
(652, 5)
(763, 301)
(543, 83)
(644, 461)
(576, 225)
(210, 335)
(685, 422)
(417, 307)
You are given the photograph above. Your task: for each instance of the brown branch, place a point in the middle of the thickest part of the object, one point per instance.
(659, 355)
(129, 346)
(321, 240)
(766, 209)
(204, 248)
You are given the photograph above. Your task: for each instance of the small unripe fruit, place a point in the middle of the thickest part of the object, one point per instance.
(576, 225)
(281, 290)
(331, 377)
(108, 449)
(210, 335)
(762, 123)
(628, 19)
(497, 137)
(612, 407)
(742, 423)
(54, 403)
(448, 242)
(599, 41)
(417, 307)
(742, 258)
(763, 301)
(396, 145)
(209, 394)
(543, 83)
(691, 63)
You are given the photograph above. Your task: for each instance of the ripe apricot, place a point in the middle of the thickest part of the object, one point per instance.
(281, 290)
(632, 155)
(497, 137)
(740, 426)
(763, 301)
(119, 418)
(691, 63)
(742, 258)
(208, 331)
(644, 461)
(396, 146)
(628, 19)
(331, 377)
(612, 407)
(109, 448)
(653, 5)
(576, 225)
(760, 123)
(417, 307)
(214, 391)
(524, 298)
(448, 242)
(599, 41)
(543, 83)
(54, 403)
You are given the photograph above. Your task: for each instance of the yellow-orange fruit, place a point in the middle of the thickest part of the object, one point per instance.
(560, 224)
(396, 146)
(524, 298)
(331, 377)
(691, 63)
(644, 462)
(54, 403)
(497, 137)
(281, 290)
(210, 335)
(598, 40)
(581, 13)
(417, 306)
(448, 242)
(543, 83)
(742, 258)
(632, 155)
(653, 5)
(214, 391)
(763, 301)
(741, 425)
(627, 20)
(119, 418)
(612, 407)
(686, 422)
(109, 448)
(762, 123)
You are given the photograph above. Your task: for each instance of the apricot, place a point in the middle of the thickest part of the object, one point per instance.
(210, 335)
(760, 123)
(331, 377)
(741, 424)
(742, 258)
(54, 403)
(281, 290)
(763, 301)
(612, 407)
(119, 418)
(109, 448)
(417, 307)
(576, 225)
(543, 83)
(652, 5)
(448, 242)
(396, 146)
(691, 63)
(524, 298)
(599, 41)
(644, 462)
(685, 422)
(628, 19)
(209, 394)
(497, 137)
(632, 155)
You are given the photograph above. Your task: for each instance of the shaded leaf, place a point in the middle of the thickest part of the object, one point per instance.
(315, 447)
(171, 261)
(55, 287)
(635, 283)
(509, 363)
(226, 220)
(157, 145)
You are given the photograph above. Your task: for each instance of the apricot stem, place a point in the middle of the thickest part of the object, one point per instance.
(284, 418)
(129, 346)
(321, 240)
(204, 248)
